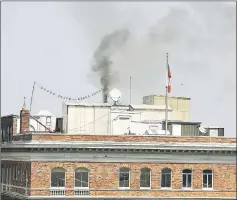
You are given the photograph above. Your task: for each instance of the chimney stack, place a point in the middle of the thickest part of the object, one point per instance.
(24, 119)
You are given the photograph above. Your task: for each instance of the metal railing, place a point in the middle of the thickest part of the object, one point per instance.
(14, 190)
(58, 191)
(81, 192)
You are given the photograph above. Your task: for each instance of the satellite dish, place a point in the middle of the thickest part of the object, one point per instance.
(115, 95)
(202, 129)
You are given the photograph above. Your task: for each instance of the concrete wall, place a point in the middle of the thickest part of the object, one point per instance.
(180, 105)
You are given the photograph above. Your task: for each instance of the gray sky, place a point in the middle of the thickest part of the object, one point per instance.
(53, 43)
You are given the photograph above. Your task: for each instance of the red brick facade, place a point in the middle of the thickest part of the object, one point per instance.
(123, 138)
(105, 176)
(25, 121)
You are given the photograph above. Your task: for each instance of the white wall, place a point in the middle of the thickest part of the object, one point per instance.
(102, 120)
(88, 120)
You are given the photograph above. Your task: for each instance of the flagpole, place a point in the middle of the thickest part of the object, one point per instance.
(166, 96)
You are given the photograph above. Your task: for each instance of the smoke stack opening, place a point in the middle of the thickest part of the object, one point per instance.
(105, 95)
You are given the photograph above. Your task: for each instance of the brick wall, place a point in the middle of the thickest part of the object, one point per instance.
(105, 176)
(132, 138)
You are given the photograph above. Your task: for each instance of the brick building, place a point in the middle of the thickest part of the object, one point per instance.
(36, 165)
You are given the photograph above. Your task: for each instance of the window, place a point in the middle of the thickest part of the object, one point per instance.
(166, 178)
(48, 122)
(13, 172)
(2, 173)
(145, 178)
(124, 118)
(187, 178)
(82, 178)
(207, 179)
(124, 178)
(58, 177)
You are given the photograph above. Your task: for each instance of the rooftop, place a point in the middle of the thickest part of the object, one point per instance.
(186, 98)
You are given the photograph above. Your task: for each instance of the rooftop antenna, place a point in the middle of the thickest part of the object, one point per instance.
(24, 104)
(202, 130)
(32, 96)
(130, 89)
(115, 95)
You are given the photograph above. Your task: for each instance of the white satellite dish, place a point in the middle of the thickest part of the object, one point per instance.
(115, 95)
(202, 129)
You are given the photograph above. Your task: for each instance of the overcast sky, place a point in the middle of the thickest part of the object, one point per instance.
(53, 44)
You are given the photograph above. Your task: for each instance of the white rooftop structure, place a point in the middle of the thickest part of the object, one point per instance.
(44, 113)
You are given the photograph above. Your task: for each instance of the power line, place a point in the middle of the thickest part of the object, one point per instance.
(66, 97)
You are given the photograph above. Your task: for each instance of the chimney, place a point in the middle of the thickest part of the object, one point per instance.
(24, 120)
(105, 94)
(105, 98)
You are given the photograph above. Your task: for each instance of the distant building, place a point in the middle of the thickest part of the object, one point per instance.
(180, 105)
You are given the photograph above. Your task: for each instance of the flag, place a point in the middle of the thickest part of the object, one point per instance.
(169, 72)
(169, 77)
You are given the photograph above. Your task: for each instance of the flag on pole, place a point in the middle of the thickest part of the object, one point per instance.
(169, 78)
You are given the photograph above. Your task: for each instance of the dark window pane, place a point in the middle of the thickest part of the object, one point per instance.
(187, 171)
(209, 181)
(58, 179)
(204, 180)
(124, 178)
(184, 180)
(81, 179)
(168, 180)
(145, 178)
(189, 180)
(207, 171)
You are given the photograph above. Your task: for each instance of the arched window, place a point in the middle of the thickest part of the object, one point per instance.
(207, 179)
(82, 178)
(124, 178)
(187, 178)
(58, 176)
(166, 178)
(145, 178)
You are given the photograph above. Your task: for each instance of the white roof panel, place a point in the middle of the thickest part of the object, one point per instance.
(149, 107)
(44, 113)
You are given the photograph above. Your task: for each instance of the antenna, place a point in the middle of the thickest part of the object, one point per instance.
(130, 89)
(202, 130)
(115, 95)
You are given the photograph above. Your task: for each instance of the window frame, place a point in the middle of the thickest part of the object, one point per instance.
(77, 170)
(129, 178)
(187, 188)
(141, 179)
(51, 171)
(207, 188)
(166, 188)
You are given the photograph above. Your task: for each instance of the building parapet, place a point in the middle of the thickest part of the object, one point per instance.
(120, 138)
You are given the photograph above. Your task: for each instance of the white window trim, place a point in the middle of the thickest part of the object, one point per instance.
(65, 175)
(212, 180)
(166, 188)
(81, 188)
(188, 188)
(146, 188)
(58, 188)
(86, 188)
(125, 188)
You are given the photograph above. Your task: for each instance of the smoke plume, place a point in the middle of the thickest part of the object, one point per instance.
(103, 56)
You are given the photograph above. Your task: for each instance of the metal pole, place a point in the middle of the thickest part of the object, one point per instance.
(32, 96)
(130, 90)
(166, 97)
